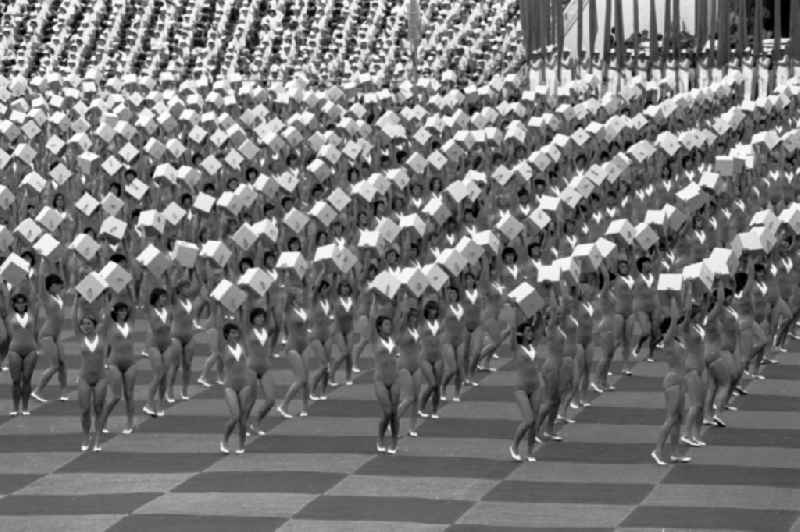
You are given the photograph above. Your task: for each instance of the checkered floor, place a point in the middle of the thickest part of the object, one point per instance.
(321, 472)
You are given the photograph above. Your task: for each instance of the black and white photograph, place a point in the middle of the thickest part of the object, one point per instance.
(399, 265)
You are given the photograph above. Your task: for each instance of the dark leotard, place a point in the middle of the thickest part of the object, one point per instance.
(23, 338)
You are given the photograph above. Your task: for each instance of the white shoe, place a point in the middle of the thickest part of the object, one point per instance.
(149, 411)
(26, 412)
(514, 454)
(688, 441)
(657, 459)
(184, 397)
(97, 449)
(313, 397)
(433, 416)
(566, 420)
(356, 370)
(380, 447)
(531, 458)
(106, 431)
(413, 434)
(127, 431)
(239, 451)
(38, 397)
(284, 414)
(596, 388)
(169, 399)
(304, 413)
(161, 412)
(423, 415)
(391, 450)
(680, 459)
(84, 447)
(574, 405)
(204, 383)
(348, 383)
(323, 397)
(64, 398)
(223, 449)
(13, 413)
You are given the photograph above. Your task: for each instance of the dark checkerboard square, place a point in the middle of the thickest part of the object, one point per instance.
(261, 482)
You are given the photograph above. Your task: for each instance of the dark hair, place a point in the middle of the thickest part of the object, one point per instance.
(457, 290)
(341, 285)
(228, 328)
(156, 294)
(19, 298)
(51, 280)
(118, 258)
(246, 260)
(90, 318)
(510, 251)
(117, 308)
(180, 285)
(430, 306)
(379, 322)
(641, 261)
(258, 311)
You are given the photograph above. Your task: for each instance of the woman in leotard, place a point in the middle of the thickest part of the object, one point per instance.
(693, 334)
(762, 314)
(121, 362)
(453, 344)
(474, 338)
(623, 293)
(162, 350)
(674, 390)
(604, 335)
(343, 335)
(260, 340)
(556, 340)
(566, 373)
(298, 350)
(22, 352)
(92, 380)
(187, 333)
(239, 386)
(408, 350)
(722, 331)
(527, 391)
(321, 321)
(53, 308)
(584, 314)
(431, 363)
(749, 333)
(645, 308)
(387, 384)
